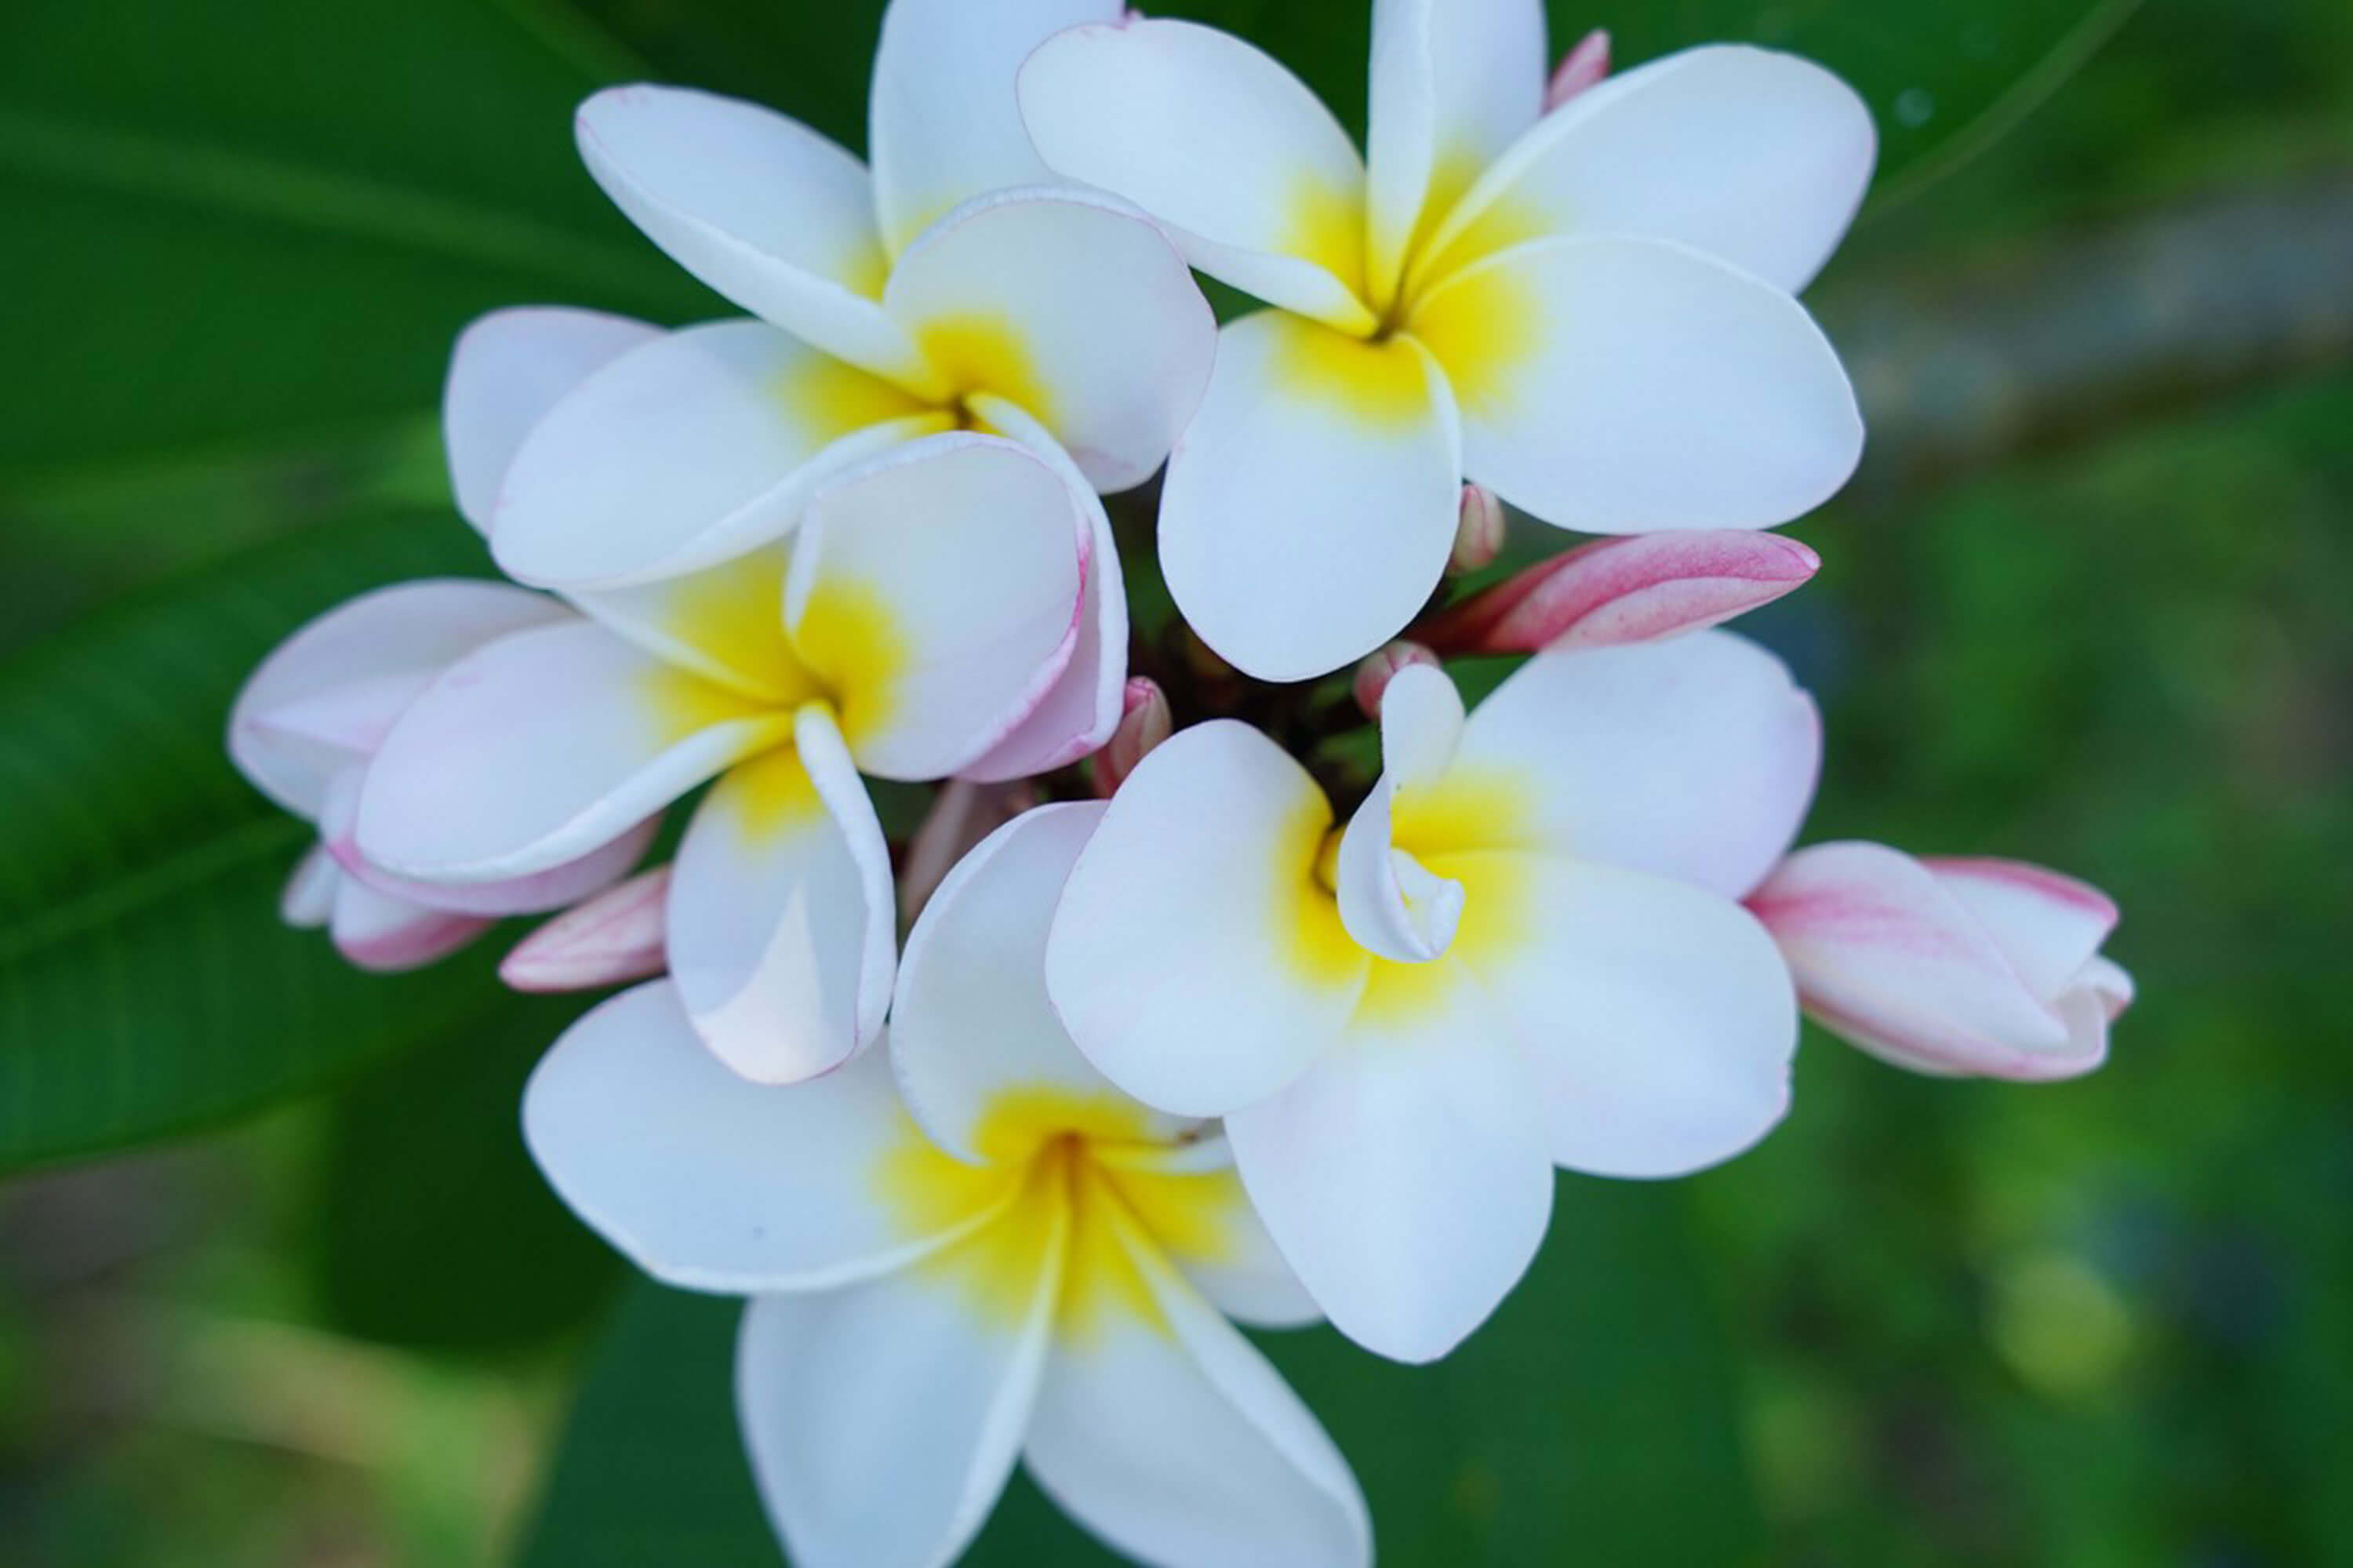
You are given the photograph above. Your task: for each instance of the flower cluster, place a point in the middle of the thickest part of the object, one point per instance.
(1262, 1019)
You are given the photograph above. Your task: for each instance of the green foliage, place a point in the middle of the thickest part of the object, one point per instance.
(433, 1227)
(146, 984)
(1578, 1425)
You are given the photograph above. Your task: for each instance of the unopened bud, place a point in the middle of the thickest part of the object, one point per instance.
(1478, 531)
(962, 814)
(604, 940)
(1579, 68)
(1636, 588)
(1380, 667)
(1144, 721)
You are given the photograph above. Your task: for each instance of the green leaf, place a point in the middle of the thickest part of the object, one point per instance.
(1590, 1421)
(433, 1228)
(235, 223)
(146, 983)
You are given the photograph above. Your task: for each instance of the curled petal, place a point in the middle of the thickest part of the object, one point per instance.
(1633, 589)
(612, 938)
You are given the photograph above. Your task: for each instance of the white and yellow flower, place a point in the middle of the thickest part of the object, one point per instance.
(1588, 312)
(312, 715)
(925, 610)
(1030, 1265)
(952, 287)
(1524, 949)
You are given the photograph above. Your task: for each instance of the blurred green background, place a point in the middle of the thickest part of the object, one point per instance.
(2086, 604)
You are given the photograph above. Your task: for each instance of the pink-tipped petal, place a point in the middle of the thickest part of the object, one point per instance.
(1633, 589)
(384, 934)
(1145, 721)
(612, 938)
(1582, 67)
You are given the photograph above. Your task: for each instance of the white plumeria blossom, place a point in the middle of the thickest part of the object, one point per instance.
(1030, 1265)
(1948, 966)
(956, 285)
(1524, 949)
(918, 619)
(1588, 312)
(312, 715)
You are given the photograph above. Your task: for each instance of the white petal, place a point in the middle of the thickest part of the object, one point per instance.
(1173, 1439)
(1452, 86)
(781, 923)
(882, 1419)
(1258, 182)
(322, 697)
(686, 453)
(1393, 905)
(726, 623)
(972, 1032)
(1309, 508)
(1405, 1175)
(710, 1181)
(761, 207)
(1233, 1261)
(1693, 758)
(532, 894)
(1755, 157)
(1072, 306)
(510, 367)
(2048, 926)
(1079, 714)
(1888, 957)
(936, 590)
(309, 899)
(377, 931)
(1659, 1019)
(1195, 958)
(543, 747)
(1421, 725)
(942, 123)
(1621, 386)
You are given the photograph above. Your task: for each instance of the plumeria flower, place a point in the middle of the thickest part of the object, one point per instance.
(919, 618)
(1954, 967)
(1523, 949)
(1588, 311)
(950, 288)
(1030, 1265)
(312, 715)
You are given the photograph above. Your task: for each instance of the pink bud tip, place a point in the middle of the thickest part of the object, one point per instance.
(1380, 667)
(1478, 531)
(1634, 588)
(604, 940)
(1582, 67)
(1144, 721)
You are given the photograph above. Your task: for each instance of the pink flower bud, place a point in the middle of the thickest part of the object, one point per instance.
(1633, 589)
(1989, 968)
(962, 814)
(1380, 667)
(1582, 67)
(614, 936)
(1144, 721)
(1478, 531)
